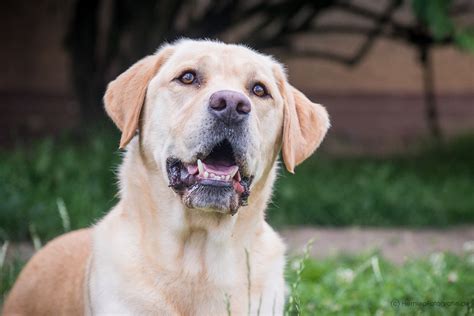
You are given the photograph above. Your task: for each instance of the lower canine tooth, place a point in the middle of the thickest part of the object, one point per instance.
(206, 174)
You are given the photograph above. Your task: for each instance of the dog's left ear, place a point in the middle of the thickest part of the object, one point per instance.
(125, 95)
(304, 127)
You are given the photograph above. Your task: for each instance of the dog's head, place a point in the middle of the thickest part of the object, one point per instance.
(212, 118)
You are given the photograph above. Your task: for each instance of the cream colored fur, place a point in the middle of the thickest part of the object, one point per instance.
(151, 255)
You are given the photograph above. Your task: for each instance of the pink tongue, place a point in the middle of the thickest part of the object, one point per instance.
(219, 169)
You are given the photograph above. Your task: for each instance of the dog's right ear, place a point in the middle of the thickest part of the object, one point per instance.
(125, 95)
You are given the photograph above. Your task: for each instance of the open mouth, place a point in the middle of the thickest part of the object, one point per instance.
(218, 176)
(218, 168)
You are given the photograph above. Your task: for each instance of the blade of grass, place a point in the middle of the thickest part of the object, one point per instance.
(249, 281)
(34, 236)
(227, 304)
(63, 213)
(3, 253)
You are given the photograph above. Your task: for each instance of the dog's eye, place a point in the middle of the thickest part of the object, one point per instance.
(259, 90)
(188, 77)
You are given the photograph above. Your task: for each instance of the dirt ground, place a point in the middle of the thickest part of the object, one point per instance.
(396, 245)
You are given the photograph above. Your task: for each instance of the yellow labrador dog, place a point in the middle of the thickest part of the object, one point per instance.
(194, 184)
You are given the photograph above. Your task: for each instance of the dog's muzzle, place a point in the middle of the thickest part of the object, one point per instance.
(217, 178)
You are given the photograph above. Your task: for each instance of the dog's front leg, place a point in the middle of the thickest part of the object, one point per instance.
(103, 294)
(273, 295)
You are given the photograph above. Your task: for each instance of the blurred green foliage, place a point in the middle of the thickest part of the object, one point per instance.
(8, 273)
(435, 15)
(34, 179)
(433, 187)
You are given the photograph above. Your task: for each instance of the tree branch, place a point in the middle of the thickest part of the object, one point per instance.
(334, 57)
(377, 30)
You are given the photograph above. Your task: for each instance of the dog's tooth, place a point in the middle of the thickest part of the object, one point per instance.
(227, 177)
(200, 166)
(232, 174)
(206, 174)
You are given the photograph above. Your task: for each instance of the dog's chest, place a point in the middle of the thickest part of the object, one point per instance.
(200, 296)
(201, 276)
(204, 276)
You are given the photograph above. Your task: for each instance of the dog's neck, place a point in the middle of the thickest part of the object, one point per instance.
(167, 227)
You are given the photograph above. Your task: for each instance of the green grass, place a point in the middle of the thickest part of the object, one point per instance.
(432, 188)
(352, 285)
(369, 285)
(8, 275)
(76, 171)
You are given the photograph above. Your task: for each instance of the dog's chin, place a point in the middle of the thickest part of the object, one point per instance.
(212, 198)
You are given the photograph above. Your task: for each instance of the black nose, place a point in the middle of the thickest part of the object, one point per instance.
(231, 107)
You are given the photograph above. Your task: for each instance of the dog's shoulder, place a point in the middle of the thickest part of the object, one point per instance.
(270, 239)
(54, 277)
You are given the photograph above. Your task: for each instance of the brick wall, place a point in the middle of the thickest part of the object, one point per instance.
(376, 106)
(384, 123)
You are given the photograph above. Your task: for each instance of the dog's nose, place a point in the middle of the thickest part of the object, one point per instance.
(231, 107)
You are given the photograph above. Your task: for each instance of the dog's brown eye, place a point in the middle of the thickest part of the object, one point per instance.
(187, 78)
(259, 90)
